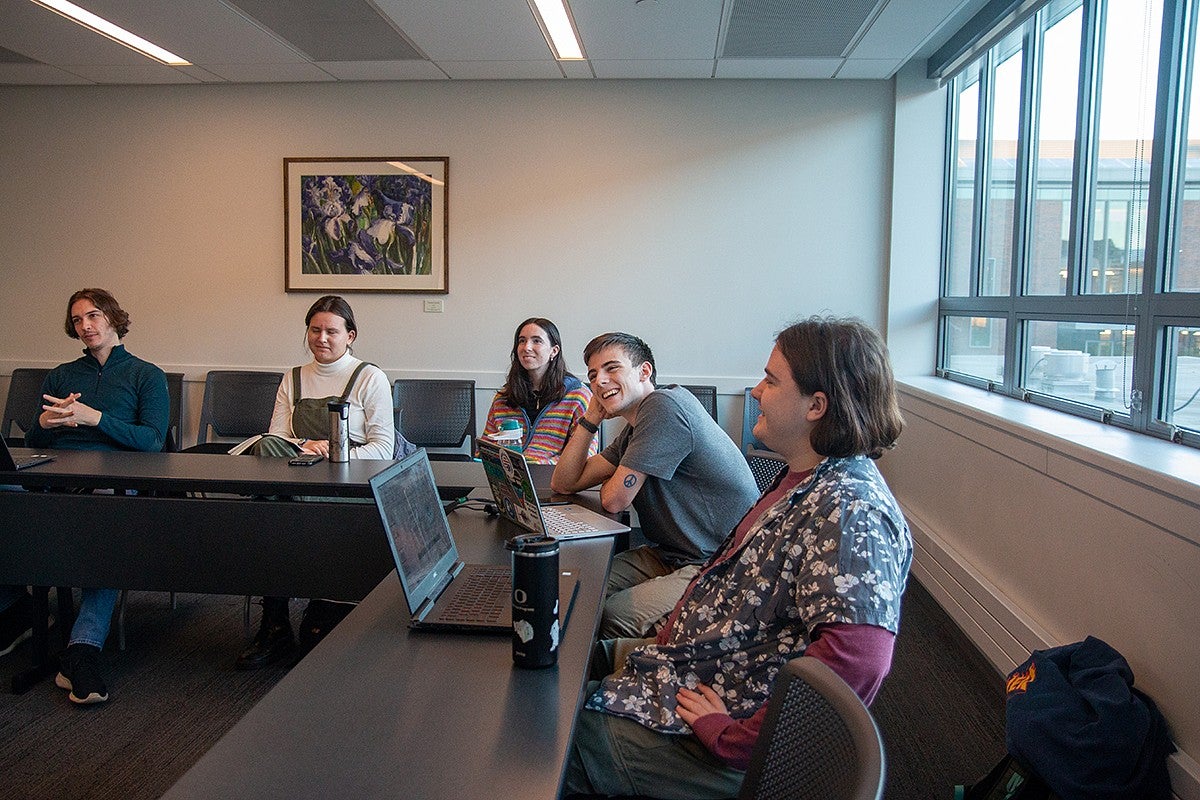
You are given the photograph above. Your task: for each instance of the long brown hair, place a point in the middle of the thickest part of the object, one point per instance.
(518, 388)
(848, 361)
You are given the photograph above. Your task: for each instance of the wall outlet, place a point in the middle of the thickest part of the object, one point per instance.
(435, 306)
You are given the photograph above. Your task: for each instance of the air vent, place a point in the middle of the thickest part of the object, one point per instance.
(794, 28)
(330, 30)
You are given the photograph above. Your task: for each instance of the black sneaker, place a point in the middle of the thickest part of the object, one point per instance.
(79, 671)
(273, 643)
(16, 624)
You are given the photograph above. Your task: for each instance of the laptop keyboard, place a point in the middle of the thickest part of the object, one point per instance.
(482, 599)
(559, 524)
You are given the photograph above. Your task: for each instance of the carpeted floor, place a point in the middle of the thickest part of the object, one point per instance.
(174, 693)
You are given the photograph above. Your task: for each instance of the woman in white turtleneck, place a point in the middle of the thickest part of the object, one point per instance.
(331, 331)
(301, 413)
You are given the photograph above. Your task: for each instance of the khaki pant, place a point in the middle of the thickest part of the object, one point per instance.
(641, 590)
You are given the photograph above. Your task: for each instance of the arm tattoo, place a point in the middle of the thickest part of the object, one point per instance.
(630, 481)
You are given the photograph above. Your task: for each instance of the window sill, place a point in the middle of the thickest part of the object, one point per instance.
(1158, 465)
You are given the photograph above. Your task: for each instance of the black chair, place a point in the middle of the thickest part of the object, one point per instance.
(765, 465)
(707, 395)
(174, 438)
(749, 417)
(24, 402)
(237, 404)
(436, 413)
(817, 742)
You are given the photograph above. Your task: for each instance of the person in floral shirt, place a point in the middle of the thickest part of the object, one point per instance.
(816, 568)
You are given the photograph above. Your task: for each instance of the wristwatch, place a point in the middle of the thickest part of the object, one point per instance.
(587, 425)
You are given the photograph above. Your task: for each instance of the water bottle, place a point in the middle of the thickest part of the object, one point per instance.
(509, 435)
(534, 600)
(339, 431)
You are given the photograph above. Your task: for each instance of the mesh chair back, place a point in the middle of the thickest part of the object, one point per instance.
(175, 421)
(765, 465)
(237, 403)
(436, 413)
(749, 417)
(24, 402)
(707, 395)
(817, 741)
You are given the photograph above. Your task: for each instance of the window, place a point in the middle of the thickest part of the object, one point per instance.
(1072, 225)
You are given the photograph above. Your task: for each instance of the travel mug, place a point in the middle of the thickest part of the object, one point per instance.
(534, 600)
(510, 434)
(339, 431)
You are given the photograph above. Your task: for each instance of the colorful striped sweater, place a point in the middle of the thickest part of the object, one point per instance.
(551, 428)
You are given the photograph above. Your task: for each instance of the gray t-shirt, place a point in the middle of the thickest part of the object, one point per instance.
(697, 486)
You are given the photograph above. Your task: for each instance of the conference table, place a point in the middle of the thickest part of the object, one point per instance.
(376, 710)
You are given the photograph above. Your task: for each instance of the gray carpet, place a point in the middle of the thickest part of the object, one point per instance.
(174, 693)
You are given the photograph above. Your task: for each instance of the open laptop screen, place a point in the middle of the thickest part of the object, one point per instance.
(416, 526)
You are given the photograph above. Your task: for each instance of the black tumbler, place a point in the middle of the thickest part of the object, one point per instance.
(534, 600)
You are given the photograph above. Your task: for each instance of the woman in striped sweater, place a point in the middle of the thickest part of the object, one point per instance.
(539, 393)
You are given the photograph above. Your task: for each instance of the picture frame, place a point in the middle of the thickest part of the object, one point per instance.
(366, 224)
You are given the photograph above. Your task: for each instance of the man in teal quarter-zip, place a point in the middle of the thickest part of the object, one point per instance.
(107, 399)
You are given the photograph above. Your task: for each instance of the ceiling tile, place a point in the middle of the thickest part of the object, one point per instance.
(382, 70)
(777, 67)
(902, 27)
(270, 73)
(37, 74)
(505, 70)
(148, 73)
(646, 68)
(482, 30)
(657, 29)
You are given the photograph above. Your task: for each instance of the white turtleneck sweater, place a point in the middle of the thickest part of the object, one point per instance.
(371, 420)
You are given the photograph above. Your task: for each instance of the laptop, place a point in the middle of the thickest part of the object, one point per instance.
(12, 463)
(442, 592)
(512, 487)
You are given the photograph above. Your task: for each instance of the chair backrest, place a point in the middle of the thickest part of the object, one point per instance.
(749, 417)
(436, 413)
(817, 741)
(707, 395)
(765, 465)
(173, 442)
(237, 403)
(24, 402)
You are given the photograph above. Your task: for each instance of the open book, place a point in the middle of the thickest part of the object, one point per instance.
(243, 446)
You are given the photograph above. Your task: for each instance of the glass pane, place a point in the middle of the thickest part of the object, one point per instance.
(1182, 398)
(975, 346)
(996, 268)
(1184, 275)
(1128, 87)
(1054, 159)
(962, 201)
(1087, 362)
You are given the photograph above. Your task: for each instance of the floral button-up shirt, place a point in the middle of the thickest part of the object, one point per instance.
(835, 549)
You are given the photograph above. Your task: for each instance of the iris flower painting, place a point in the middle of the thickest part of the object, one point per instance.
(375, 227)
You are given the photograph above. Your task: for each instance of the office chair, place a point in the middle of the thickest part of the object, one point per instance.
(436, 413)
(817, 742)
(237, 404)
(707, 395)
(749, 417)
(765, 465)
(24, 402)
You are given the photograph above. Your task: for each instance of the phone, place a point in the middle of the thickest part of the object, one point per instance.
(306, 460)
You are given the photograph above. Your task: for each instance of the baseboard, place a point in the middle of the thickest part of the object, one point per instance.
(996, 625)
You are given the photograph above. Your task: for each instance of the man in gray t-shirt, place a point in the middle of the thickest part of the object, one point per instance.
(685, 477)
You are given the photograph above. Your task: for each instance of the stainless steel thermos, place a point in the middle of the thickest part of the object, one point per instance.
(339, 431)
(534, 600)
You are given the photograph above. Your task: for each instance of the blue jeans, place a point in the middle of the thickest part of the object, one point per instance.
(95, 616)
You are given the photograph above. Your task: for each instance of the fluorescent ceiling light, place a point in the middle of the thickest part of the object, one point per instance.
(400, 165)
(560, 33)
(119, 35)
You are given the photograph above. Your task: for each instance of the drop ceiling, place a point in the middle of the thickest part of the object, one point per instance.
(296, 41)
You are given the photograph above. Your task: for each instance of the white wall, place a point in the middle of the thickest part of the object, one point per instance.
(702, 215)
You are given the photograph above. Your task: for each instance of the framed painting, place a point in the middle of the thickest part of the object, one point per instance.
(366, 225)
